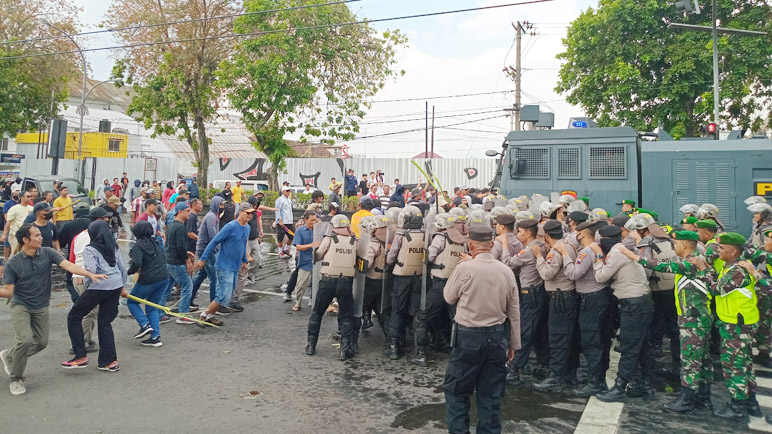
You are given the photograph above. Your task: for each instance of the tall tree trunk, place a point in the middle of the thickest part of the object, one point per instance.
(203, 159)
(689, 107)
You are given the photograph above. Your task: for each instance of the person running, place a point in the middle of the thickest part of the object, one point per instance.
(14, 219)
(179, 261)
(27, 282)
(209, 228)
(147, 258)
(101, 255)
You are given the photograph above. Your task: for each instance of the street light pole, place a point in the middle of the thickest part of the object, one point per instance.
(715, 68)
(82, 110)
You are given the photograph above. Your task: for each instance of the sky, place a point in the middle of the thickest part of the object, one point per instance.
(447, 55)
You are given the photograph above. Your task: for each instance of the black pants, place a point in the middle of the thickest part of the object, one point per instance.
(435, 306)
(531, 309)
(665, 322)
(372, 301)
(329, 288)
(562, 325)
(107, 300)
(293, 279)
(635, 320)
(405, 302)
(595, 331)
(477, 364)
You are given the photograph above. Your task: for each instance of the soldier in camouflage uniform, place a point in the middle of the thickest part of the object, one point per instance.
(760, 261)
(693, 299)
(737, 321)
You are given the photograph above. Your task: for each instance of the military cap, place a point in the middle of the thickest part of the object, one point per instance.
(686, 235)
(578, 216)
(480, 233)
(689, 220)
(554, 229)
(707, 224)
(654, 215)
(505, 219)
(731, 239)
(610, 231)
(620, 220)
(584, 225)
(585, 199)
(628, 202)
(529, 223)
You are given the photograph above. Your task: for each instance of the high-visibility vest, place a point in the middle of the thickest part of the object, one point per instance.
(718, 264)
(680, 297)
(740, 301)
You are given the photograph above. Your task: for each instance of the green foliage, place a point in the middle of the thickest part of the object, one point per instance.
(314, 81)
(624, 66)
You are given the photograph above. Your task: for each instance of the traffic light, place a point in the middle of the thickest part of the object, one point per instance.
(713, 131)
(688, 6)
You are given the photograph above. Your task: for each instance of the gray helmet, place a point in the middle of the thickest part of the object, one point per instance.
(458, 213)
(364, 223)
(754, 199)
(567, 199)
(761, 208)
(536, 201)
(393, 214)
(512, 208)
(497, 211)
(479, 218)
(635, 223)
(377, 222)
(577, 205)
(410, 218)
(547, 208)
(340, 221)
(707, 210)
(689, 208)
(475, 207)
(443, 220)
(598, 214)
(524, 215)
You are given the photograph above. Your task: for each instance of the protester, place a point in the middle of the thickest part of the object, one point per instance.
(14, 219)
(284, 222)
(63, 203)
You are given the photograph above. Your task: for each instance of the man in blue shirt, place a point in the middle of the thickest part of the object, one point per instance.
(232, 240)
(351, 183)
(304, 243)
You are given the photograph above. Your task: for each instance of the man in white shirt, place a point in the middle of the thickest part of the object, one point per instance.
(15, 218)
(284, 222)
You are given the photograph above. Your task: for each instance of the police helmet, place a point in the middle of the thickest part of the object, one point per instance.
(378, 222)
(443, 220)
(689, 208)
(547, 208)
(598, 214)
(497, 211)
(754, 199)
(340, 221)
(410, 218)
(707, 210)
(524, 215)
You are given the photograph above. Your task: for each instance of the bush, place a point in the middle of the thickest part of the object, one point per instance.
(299, 200)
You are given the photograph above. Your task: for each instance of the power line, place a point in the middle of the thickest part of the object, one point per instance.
(171, 23)
(422, 129)
(294, 29)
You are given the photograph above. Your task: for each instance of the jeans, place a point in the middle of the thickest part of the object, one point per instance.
(226, 283)
(151, 292)
(70, 286)
(207, 272)
(179, 274)
(31, 329)
(107, 300)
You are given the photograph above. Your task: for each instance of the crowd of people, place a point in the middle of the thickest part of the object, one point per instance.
(494, 279)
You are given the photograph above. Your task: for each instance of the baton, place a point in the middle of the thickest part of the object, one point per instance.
(429, 178)
(168, 311)
(286, 229)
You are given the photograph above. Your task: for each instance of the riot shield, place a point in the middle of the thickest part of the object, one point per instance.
(320, 230)
(360, 275)
(391, 230)
(536, 201)
(429, 229)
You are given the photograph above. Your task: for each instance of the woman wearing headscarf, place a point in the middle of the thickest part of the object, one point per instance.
(101, 256)
(168, 194)
(147, 260)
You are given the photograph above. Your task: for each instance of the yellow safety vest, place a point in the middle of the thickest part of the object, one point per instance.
(680, 297)
(718, 264)
(738, 301)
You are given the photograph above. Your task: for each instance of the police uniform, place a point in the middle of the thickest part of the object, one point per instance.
(513, 243)
(594, 316)
(562, 310)
(762, 260)
(737, 317)
(578, 217)
(375, 257)
(630, 285)
(487, 318)
(337, 253)
(692, 302)
(532, 303)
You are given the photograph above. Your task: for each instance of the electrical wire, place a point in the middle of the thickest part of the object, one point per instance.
(423, 129)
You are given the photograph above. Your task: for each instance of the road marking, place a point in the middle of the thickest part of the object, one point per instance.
(601, 417)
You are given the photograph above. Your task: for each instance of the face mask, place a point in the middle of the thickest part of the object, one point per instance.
(49, 216)
(606, 244)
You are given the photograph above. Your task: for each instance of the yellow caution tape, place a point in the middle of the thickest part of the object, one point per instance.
(167, 310)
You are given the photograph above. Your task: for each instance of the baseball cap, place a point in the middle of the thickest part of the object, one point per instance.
(246, 207)
(150, 190)
(98, 212)
(39, 207)
(144, 189)
(285, 188)
(108, 188)
(114, 200)
(16, 187)
(181, 206)
(334, 205)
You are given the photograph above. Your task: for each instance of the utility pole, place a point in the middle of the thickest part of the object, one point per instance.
(432, 154)
(516, 73)
(426, 145)
(715, 69)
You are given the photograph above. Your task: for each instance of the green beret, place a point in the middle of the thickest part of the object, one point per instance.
(768, 232)
(686, 235)
(585, 199)
(707, 224)
(690, 221)
(628, 202)
(731, 239)
(653, 215)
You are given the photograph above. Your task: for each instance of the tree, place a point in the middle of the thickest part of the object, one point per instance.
(315, 81)
(174, 82)
(27, 85)
(623, 65)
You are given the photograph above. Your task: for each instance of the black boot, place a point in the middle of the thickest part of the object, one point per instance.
(615, 394)
(672, 372)
(683, 404)
(367, 321)
(440, 343)
(702, 400)
(513, 377)
(345, 348)
(540, 372)
(311, 345)
(337, 335)
(355, 342)
(735, 409)
(392, 352)
(768, 419)
(420, 357)
(553, 383)
(752, 406)
(640, 388)
(591, 388)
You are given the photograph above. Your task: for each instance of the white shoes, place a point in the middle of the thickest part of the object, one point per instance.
(17, 388)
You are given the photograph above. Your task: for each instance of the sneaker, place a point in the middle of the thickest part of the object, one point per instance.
(17, 388)
(287, 296)
(224, 310)
(214, 321)
(3, 355)
(75, 363)
(164, 319)
(143, 331)
(193, 308)
(112, 367)
(283, 286)
(184, 321)
(282, 255)
(153, 342)
(235, 305)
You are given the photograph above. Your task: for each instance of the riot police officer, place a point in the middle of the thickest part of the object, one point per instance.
(337, 253)
(375, 258)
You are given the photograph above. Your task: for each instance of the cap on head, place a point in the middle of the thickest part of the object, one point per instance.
(285, 188)
(691, 220)
(40, 206)
(620, 220)
(98, 213)
(481, 233)
(15, 187)
(150, 190)
(585, 225)
(108, 188)
(628, 202)
(610, 231)
(731, 239)
(529, 223)
(181, 206)
(578, 216)
(686, 235)
(245, 207)
(340, 221)
(554, 229)
(654, 215)
(505, 219)
(707, 224)
(114, 200)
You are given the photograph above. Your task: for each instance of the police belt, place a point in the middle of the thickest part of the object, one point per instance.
(326, 277)
(439, 279)
(494, 328)
(557, 293)
(602, 291)
(532, 288)
(635, 300)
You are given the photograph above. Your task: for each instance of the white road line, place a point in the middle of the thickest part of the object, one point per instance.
(759, 424)
(764, 382)
(602, 417)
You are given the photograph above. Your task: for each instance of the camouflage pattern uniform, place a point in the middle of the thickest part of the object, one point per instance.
(694, 321)
(762, 261)
(736, 339)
